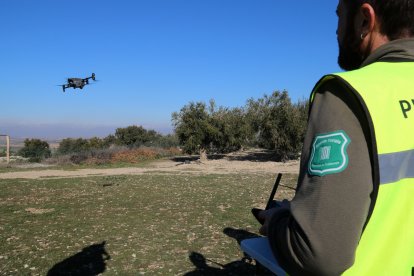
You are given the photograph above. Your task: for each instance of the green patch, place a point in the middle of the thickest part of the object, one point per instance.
(329, 153)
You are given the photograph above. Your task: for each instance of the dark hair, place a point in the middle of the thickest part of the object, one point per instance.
(396, 16)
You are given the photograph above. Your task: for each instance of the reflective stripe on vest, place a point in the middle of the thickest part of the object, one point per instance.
(396, 166)
(386, 93)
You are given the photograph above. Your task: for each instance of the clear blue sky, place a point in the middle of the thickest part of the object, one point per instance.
(152, 57)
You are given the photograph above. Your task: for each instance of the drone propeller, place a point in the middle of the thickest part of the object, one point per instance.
(63, 86)
(94, 82)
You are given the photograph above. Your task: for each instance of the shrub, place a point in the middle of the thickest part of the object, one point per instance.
(70, 145)
(78, 158)
(35, 150)
(135, 136)
(135, 155)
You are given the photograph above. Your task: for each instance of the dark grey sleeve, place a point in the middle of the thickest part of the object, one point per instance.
(320, 232)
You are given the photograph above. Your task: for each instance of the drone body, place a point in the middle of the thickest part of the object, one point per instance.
(77, 82)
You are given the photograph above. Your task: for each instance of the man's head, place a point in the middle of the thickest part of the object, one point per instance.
(364, 25)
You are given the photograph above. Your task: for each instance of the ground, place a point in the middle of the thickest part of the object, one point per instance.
(239, 162)
(167, 217)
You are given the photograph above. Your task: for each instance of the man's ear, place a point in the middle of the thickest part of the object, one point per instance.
(365, 20)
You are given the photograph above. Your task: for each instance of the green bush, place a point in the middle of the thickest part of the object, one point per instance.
(136, 136)
(70, 145)
(35, 150)
(165, 141)
(80, 145)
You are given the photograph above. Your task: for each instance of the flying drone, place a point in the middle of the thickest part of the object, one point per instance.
(77, 82)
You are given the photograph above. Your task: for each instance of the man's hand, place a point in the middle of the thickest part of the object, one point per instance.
(266, 215)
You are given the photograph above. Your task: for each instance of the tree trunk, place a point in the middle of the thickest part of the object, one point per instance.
(203, 155)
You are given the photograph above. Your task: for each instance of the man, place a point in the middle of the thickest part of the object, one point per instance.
(353, 212)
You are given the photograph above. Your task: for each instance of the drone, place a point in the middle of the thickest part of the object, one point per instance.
(77, 82)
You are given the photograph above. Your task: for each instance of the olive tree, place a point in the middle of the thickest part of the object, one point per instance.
(279, 125)
(194, 129)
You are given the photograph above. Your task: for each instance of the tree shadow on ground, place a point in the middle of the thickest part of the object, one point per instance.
(257, 156)
(244, 266)
(261, 155)
(90, 261)
(185, 158)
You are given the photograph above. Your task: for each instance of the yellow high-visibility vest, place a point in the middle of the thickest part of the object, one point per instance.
(386, 93)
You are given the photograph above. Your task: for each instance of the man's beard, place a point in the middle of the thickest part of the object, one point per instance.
(350, 58)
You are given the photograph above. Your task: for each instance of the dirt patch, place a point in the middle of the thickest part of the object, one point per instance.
(242, 162)
(39, 211)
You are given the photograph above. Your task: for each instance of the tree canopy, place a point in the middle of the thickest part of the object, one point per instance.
(134, 136)
(272, 122)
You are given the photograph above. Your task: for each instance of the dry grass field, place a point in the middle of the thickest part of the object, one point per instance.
(170, 217)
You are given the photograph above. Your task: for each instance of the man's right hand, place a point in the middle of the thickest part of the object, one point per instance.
(266, 216)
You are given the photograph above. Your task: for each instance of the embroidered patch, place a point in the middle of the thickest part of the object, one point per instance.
(329, 153)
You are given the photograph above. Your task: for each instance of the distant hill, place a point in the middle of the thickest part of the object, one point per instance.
(17, 143)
